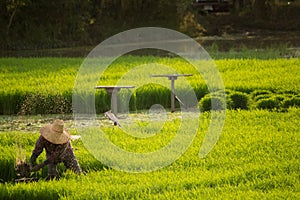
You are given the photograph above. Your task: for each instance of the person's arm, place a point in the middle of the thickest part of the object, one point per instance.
(39, 166)
(39, 146)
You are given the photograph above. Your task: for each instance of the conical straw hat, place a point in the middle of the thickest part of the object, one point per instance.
(55, 132)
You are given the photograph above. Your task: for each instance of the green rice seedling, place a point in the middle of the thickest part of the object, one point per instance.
(242, 75)
(293, 101)
(255, 157)
(255, 95)
(205, 104)
(102, 101)
(239, 100)
(7, 163)
(151, 94)
(51, 81)
(46, 104)
(275, 102)
(271, 103)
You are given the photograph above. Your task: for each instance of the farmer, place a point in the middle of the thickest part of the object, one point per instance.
(56, 140)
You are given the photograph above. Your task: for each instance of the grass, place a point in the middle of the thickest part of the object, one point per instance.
(45, 85)
(256, 157)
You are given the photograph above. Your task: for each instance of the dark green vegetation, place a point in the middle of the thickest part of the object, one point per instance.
(29, 24)
(256, 157)
(45, 85)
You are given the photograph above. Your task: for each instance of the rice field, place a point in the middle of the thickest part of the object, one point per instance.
(256, 156)
(45, 85)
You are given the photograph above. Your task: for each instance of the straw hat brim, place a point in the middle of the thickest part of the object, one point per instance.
(54, 137)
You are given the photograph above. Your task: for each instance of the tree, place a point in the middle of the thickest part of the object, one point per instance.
(12, 7)
(261, 8)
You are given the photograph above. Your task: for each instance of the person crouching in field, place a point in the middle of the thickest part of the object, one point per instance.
(56, 140)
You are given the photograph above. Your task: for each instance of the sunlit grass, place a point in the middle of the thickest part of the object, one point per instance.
(256, 157)
(45, 85)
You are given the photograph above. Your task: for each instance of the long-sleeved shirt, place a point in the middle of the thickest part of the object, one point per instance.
(55, 153)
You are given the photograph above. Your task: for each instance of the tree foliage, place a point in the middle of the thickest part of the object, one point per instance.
(28, 24)
(57, 23)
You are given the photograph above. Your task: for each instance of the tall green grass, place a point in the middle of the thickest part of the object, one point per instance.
(45, 85)
(256, 157)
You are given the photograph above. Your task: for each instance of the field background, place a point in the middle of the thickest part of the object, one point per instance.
(45, 85)
(256, 157)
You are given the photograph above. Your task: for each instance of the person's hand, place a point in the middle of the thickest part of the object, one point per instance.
(33, 168)
(37, 167)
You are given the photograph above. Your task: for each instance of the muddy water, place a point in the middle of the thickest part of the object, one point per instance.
(254, 39)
